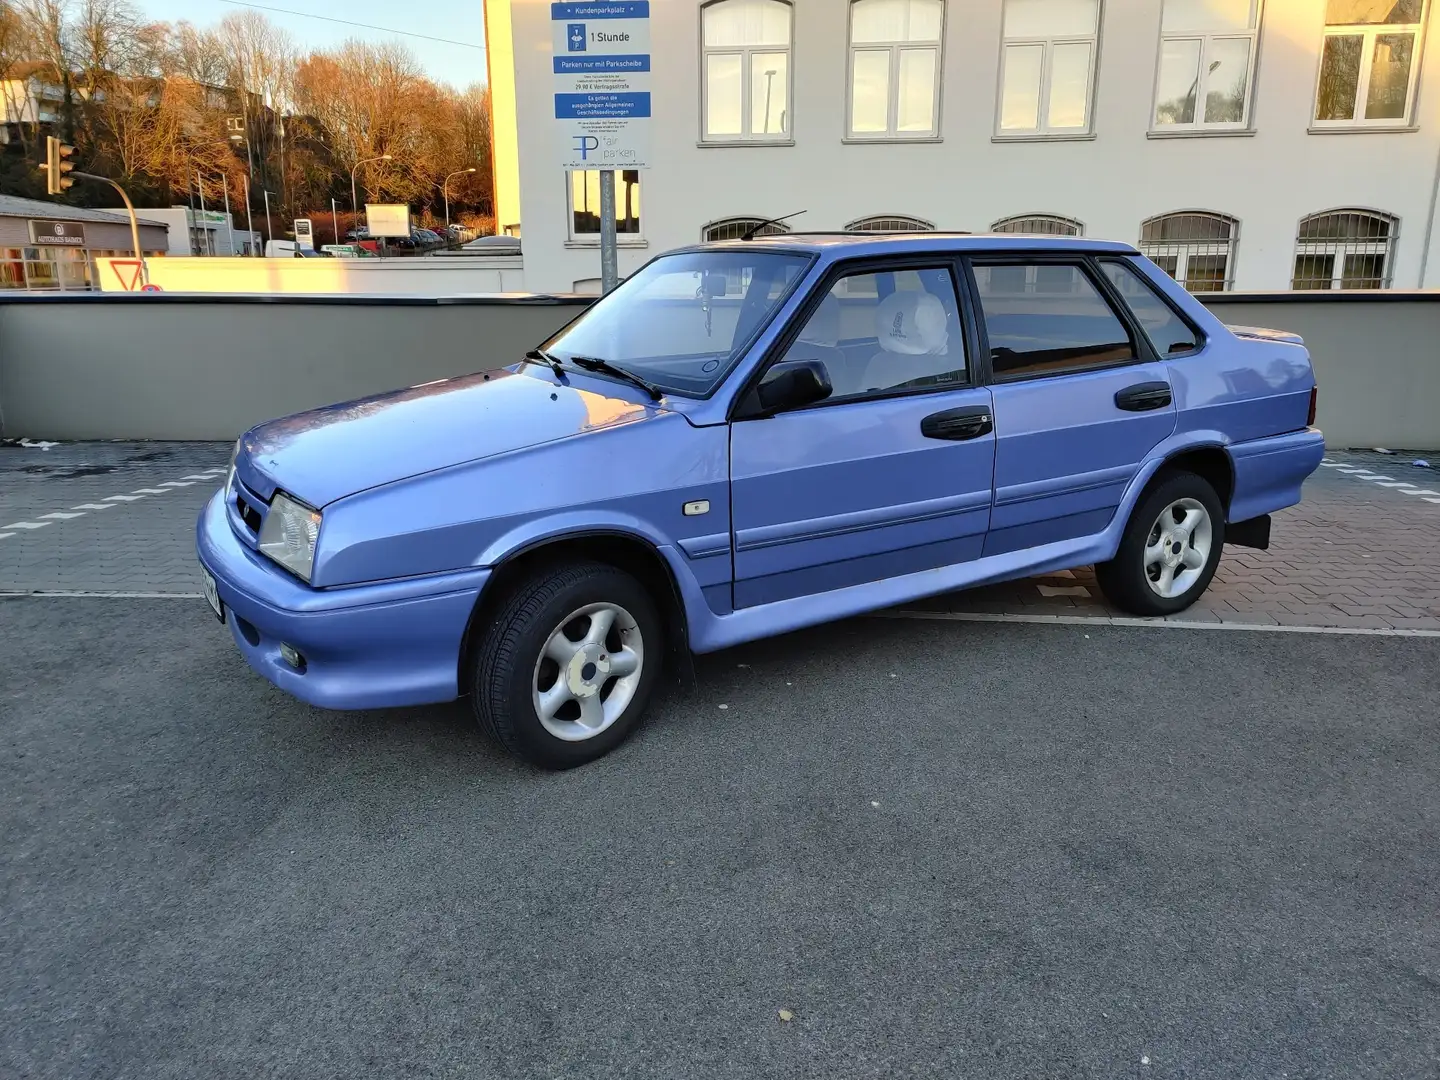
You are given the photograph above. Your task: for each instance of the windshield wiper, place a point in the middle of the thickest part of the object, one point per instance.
(594, 363)
(543, 357)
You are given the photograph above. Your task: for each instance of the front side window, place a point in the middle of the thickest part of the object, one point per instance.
(683, 319)
(1196, 248)
(895, 68)
(1048, 66)
(1039, 225)
(1369, 62)
(1047, 319)
(890, 223)
(1344, 249)
(887, 332)
(585, 204)
(1207, 57)
(1168, 332)
(745, 70)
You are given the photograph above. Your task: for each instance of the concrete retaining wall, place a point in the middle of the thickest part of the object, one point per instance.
(200, 367)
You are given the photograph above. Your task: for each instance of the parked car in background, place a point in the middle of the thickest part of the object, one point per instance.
(743, 439)
(289, 249)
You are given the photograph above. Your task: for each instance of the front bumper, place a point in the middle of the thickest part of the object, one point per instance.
(365, 646)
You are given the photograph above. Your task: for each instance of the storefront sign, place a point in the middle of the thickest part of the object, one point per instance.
(57, 233)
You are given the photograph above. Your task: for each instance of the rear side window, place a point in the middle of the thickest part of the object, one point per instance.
(1047, 319)
(1168, 332)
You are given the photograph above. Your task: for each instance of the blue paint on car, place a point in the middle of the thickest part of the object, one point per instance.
(870, 420)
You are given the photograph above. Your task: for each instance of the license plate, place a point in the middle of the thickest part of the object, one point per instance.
(212, 594)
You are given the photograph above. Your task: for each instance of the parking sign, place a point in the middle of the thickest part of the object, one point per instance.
(601, 57)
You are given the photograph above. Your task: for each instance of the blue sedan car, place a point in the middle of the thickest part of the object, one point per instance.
(746, 438)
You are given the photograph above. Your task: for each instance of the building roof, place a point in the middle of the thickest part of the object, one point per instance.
(14, 206)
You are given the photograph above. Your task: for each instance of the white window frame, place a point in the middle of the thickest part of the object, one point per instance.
(1073, 226)
(1342, 247)
(1042, 130)
(579, 239)
(746, 54)
(1198, 125)
(770, 228)
(892, 98)
(1368, 32)
(897, 223)
(1184, 249)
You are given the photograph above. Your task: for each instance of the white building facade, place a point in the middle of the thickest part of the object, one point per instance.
(1243, 144)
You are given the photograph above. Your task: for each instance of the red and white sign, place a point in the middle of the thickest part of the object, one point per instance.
(128, 271)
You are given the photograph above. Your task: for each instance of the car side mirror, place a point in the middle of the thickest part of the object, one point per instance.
(792, 384)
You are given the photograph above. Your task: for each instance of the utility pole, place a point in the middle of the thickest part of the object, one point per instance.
(200, 187)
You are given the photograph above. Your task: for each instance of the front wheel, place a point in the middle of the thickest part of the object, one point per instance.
(1169, 550)
(564, 672)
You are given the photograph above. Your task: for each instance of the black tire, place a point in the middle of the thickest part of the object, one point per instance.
(512, 645)
(1125, 579)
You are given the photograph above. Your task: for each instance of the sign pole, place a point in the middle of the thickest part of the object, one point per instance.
(229, 220)
(335, 222)
(609, 264)
(250, 220)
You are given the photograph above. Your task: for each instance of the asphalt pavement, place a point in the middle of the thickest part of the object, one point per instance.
(883, 848)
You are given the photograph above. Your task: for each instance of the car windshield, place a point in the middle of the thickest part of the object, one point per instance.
(681, 320)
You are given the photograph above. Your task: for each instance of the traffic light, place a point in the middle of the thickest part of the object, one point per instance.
(56, 166)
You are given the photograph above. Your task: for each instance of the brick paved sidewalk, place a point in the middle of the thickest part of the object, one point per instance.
(1357, 552)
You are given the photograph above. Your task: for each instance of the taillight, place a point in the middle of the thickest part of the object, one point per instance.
(1314, 400)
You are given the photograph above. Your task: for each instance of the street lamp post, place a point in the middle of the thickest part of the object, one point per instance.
(445, 188)
(269, 233)
(249, 175)
(354, 201)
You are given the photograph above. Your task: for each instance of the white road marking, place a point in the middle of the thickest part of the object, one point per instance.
(26, 525)
(89, 595)
(1393, 483)
(123, 498)
(94, 506)
(1112, 620)
(175, 484)
(6, 536)
(60, 515)
(1370, 475)
(1332, 464)
(148, 491)
(1433, 500)
(196, 476)
(1421, 491)
(1063, 590)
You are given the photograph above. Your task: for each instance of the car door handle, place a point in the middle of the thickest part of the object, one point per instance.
(957, 425)
(1142, 397)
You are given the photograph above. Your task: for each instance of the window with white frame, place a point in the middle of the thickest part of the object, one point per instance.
(1039, 225)
(1195, 247)
(1344, 249)
(745, 70)
(1369, 62)
(737, 228)
(1047, 66)
(1207, 63)
(895, 68)
(584, 193)
(890, 223)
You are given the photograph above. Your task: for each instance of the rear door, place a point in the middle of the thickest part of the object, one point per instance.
(891, 474)
(1080, 398)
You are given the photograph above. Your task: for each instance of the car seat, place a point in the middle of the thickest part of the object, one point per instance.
(911, 328)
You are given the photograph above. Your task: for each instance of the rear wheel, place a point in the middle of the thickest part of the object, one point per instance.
(564, 672)
(1169, 550)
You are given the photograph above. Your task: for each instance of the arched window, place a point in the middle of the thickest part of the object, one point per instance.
(890, 223)
(1195, 247)
(1344, 249)
(1039, 225)
(735, 228)
(895, 68)
(745, 70)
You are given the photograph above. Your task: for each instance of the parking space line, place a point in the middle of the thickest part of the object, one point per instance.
(1120, 620)
(148, 491)
(177, 483)
(94, 506)
(123, 498)
(26, 525)
(6, 536)
(86, 594)
(61, 515)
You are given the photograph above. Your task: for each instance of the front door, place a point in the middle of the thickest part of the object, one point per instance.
(890, 475)
(1080, 400)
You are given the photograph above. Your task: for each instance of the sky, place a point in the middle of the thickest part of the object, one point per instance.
(455, 20)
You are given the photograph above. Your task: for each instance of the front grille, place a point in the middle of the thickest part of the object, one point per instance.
(248, 514)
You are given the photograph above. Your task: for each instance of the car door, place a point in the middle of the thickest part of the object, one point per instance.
(891, 474)
(1080, 399)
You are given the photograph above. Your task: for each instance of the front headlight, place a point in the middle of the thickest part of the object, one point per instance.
(289, 533)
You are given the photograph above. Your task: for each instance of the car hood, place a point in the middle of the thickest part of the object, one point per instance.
(326, 454)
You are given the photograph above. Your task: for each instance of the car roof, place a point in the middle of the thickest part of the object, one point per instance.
(900, 243)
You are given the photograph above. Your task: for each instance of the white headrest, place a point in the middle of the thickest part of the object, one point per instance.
(823, 327)
(912, 323)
